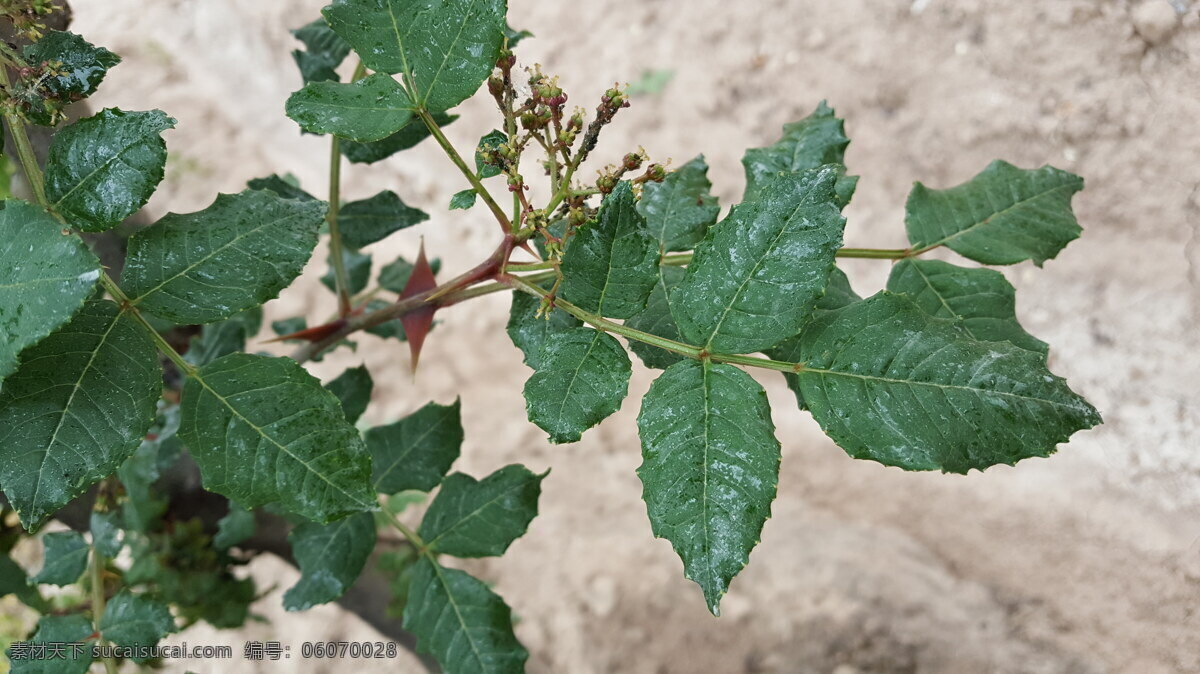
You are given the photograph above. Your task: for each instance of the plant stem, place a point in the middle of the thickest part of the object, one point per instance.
(341, 278)
(601, 323)
(97, 578)
(16, 125)
(879, 253)
(408, 533)
(436, 132)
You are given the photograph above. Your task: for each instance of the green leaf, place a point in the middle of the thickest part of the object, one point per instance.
(680, 209)
(288, 326)
(1004, 215)
(462, 623)
(810, 143)
(370, 109)
(79, 405)
(263, 430)
(66, 559)
(758, 274)
(710, 465)
(611, 264)
(413, 133)
(221, 339)
(515, 36)
(530, 332)
(982, 299)
(488, 144)
(358, 271)
(353, 389)
(54, 629)
(285, 186)
(656, 319)
(463, 200)
(70, 69)
(235, 527)
(481, 518)
(364, 222)
(416, 452)
(324, 52)
(159, 449)
(394, 276)
(444, 48)
(583, 378)
(839, 294)
(13, 581)
(103, 169)
(890, 383)
(106, 532)
(132, 621)
(44, 278)
(236, 254)
(330, 557)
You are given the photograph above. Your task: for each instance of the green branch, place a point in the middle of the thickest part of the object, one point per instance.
(476, 184)
(340, 276)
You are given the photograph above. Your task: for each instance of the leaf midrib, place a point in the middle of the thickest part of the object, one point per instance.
(102, 167)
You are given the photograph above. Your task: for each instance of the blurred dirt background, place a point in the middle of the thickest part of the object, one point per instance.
(1085, 562)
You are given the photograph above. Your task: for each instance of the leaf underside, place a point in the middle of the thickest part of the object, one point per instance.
(531, 333)
(481, 518)
(331, 556)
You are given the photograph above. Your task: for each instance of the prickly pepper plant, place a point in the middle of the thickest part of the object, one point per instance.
(111, 388)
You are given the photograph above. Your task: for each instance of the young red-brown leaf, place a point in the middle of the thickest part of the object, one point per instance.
(417, 323)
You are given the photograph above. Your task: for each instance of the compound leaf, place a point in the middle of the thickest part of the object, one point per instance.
(461, 622)
(1004, 215)
(58, 629)
(132, 620)
(416, 452)
(656, 319)
(330, 557)
(263, 430)
(709, 470)
(236, 254)
(583, 378)
(680, 209)
(530, 332)
(610, 266)
(66, 558)
(481, 518)
(44, 278)
(365, 222)
(814, 141)
(78, 406)
(103, 168)
(982, 299)
(370, 109)
(413, 133)
(890, 383)
(445, 49)
(353, 389)
(759, 273)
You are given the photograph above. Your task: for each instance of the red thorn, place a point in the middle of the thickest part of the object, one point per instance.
(418, 322)
(314, 334)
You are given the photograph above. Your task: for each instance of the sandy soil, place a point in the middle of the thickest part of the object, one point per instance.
(1086, 562)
